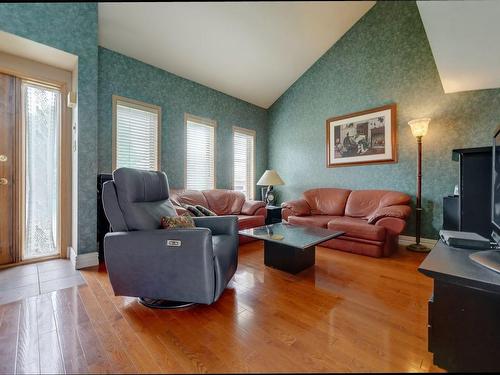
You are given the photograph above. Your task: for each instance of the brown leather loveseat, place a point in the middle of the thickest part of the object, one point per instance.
(250, 213)
(371, 219)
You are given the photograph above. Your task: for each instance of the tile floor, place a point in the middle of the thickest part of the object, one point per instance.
(38, 278)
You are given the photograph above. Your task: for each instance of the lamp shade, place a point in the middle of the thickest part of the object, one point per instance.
(270, 177)
(419, 126)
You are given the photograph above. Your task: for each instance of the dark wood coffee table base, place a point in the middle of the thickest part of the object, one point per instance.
(288, 258)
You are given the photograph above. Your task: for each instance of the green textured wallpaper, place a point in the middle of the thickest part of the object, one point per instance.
(124, 76)
(71, 27)
(384, 58)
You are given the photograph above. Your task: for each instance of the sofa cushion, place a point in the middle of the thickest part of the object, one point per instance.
(327, 201)
(205, 211)
(193, 210)
(311, 221)
(191, 197)
(363, 203)
(224, 202)
(357, 228)
(245, 221)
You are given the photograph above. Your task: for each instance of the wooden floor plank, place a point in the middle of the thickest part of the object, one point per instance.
(51, 360)
(28, 356)
(9, 328)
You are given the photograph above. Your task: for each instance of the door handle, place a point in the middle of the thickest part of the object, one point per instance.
(3, 181)
(3, 158)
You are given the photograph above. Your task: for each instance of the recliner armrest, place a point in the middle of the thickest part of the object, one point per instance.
(251, 206)
(218, 224)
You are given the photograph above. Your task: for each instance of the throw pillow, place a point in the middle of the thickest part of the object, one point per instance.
(193, 210)
(172, 222)
(205, 210)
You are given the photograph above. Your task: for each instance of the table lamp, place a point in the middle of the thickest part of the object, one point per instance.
(270, 178)
(419, 128)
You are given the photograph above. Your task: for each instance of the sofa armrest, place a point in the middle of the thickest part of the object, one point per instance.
(261, 211)
(250, 206)
(392, 224)
(297, 207)
(218, 224)
(162, 263)
(182, 211)
(399, 211)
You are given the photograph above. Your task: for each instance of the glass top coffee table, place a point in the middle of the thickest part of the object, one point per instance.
(290, 248)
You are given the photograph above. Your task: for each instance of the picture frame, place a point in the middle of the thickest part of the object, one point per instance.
(360, 138)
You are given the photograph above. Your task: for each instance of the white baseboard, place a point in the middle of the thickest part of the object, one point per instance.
(408, 240)
(83, 260)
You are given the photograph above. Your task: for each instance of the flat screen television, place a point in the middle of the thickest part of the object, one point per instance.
(491, 258)
(495, 191)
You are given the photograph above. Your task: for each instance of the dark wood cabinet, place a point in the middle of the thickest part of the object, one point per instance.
(273, 215)
(464, 311)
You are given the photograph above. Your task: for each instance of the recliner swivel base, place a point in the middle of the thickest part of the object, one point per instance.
(156, 303)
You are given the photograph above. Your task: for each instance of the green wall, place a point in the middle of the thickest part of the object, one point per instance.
(125, 76)
(71, 27)
(384, 58)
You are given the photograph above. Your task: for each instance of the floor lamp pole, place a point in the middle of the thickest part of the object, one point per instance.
(418, 214)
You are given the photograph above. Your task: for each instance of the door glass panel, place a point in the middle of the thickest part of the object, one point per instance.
(42, 119)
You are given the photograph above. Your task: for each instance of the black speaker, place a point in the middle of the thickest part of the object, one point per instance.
(474, 203)
(450, 213)
(103, 226)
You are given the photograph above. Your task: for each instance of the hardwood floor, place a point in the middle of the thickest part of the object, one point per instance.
(348, 313)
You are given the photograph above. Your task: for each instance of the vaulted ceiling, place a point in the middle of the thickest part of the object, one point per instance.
(253, 51)
(465, 40)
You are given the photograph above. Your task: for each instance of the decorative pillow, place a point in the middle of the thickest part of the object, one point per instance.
(172, 222)
(196, 212)
(205, 211)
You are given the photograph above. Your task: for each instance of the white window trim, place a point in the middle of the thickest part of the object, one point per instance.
(207, 122)
(253, 133)
(143, 107)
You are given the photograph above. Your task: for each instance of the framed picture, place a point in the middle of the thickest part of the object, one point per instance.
(362, 138)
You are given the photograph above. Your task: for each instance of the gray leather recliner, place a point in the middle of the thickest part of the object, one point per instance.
(164, 267)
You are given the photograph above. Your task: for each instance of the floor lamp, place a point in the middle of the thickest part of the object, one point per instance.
(419, 129)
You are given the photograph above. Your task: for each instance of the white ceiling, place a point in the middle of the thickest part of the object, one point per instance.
(31, 50)
(252, 51)
(465, 40)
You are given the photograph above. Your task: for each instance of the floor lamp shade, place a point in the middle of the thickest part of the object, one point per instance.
(419, 126)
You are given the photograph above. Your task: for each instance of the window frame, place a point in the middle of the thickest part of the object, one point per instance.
(137, 104)
(252, 133)
(203, 121)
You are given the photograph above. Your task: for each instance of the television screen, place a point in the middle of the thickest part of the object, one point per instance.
(495, 214)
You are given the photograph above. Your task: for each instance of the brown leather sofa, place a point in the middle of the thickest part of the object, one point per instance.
(371, 219)
(250, 213)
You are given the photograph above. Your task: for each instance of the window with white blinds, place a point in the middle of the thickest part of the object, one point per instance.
(200, 153)
(243, 161)
(136, 134)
